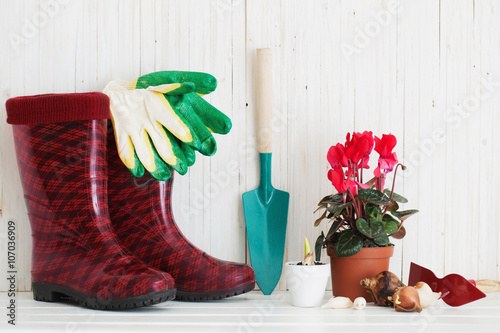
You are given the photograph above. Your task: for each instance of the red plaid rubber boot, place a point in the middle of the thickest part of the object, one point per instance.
(142, 217)
(61, 150)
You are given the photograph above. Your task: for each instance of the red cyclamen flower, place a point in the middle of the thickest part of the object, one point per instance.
(359, 147)
(336, 156)
(336, 176)
(388, 159)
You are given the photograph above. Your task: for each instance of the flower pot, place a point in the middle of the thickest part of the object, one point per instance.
(347, 272)
(306, 284)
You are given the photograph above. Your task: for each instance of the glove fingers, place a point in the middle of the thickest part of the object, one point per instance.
(138, 169)
(214, 120)
(188, 152)
(162, 171)
(161, 109)
(204, 82)
(149, 157)
(132, 162)
(168, 149)
(126, 152)
(173, 88)
(208, 145)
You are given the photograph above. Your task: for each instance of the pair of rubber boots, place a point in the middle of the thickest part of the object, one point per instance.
(101, 236)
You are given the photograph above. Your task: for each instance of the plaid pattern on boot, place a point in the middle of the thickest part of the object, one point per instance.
(142, 217)
(63, 170)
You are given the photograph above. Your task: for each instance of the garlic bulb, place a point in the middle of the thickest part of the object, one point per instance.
(359, 303)
(426, 295)
(338, 303)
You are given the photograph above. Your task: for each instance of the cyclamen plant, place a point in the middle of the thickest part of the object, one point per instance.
(363, 214)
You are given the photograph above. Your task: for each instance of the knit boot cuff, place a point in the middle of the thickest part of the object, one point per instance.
(56, 108)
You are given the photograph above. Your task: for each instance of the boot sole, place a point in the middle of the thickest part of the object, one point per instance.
(47, 292)
(212, 295)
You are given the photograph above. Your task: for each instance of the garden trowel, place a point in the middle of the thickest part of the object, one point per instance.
(266, 208)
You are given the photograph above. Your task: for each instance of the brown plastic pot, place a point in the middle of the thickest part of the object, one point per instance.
(347, 272)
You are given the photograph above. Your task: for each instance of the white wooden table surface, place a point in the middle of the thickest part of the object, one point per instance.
(252, 312)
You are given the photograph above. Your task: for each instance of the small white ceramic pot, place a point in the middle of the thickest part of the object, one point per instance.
(306, 284)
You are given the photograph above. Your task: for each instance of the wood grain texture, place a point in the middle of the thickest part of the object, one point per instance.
(264, 102)
(426, 71)
(252, 312)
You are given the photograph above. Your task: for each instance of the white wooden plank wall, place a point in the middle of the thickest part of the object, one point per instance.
(427, 71)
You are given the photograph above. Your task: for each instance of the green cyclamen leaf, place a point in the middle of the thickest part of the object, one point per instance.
(382, 240)
(371, 228)
(396, 197)
(348, 244)
(388, 217)
(374, 197)
(332, 198)
(320, 207)
(390, 227)
(393, 206)
(338, 208)
(333, 228)
(403, 215)
(373, 210)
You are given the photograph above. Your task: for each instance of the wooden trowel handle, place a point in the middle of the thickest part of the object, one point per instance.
(264, 103)
(487, 286)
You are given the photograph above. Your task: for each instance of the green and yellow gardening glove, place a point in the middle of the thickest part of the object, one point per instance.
(160, 119)
(204, 120)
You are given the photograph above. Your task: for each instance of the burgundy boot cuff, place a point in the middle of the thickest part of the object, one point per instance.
(57, 108)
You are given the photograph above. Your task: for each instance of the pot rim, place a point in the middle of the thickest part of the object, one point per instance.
(294, 263)
(365, 253)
